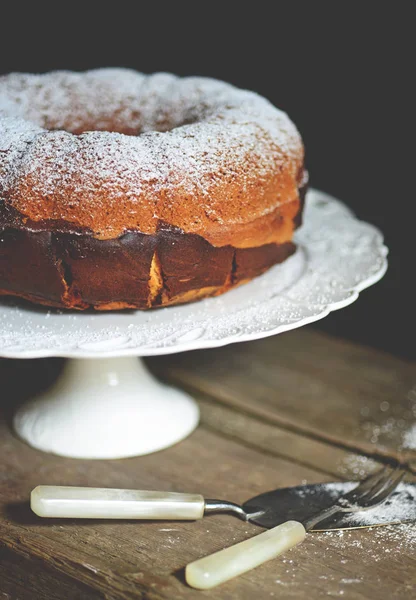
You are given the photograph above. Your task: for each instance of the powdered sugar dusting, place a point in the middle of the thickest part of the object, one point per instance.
(399, 507)
(336, 557)
(391, 424)
(186, 137)
(356, 466)
(379, 541)
(15, 137)
(409, 438)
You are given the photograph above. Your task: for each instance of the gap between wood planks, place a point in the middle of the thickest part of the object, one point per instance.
(309, 450)
(209, 403)
(331, 384)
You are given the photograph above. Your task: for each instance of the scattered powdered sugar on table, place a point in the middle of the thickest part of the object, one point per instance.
(409, 438)
(334, 556)
(409, 435)
(394, 424)
(356, 466)
(388, 426)
(377, 542)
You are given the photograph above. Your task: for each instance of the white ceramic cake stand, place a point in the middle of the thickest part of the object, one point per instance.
(107, 405)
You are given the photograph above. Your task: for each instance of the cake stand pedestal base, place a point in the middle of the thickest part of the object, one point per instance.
(106, 408)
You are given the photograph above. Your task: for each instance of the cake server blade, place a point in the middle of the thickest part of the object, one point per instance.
(298, 503)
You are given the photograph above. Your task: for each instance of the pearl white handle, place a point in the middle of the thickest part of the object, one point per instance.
(101, 503)
(217, 568)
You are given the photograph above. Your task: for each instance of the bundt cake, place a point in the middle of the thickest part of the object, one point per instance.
(124, 190)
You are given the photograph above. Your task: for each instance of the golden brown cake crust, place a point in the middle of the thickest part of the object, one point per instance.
(132, 190)
(210, 159)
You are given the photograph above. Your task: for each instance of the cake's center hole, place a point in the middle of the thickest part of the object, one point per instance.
(126, 122)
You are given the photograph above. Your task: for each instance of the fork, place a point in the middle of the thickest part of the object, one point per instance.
(373, 490)
(221, 566)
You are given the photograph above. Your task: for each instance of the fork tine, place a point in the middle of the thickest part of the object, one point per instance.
(383, 481)
(377, 484)
(371, 491)
(367, 484)
(381, 493)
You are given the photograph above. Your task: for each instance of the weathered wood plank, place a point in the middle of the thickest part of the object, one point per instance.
(271, 439)
(271, 416)
(144, 560)
(310, 383)
(126, 560)
(26, 579)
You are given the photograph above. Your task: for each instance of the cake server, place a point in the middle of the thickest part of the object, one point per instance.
(266, 510)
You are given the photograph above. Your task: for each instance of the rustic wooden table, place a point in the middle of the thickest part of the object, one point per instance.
(299, 407)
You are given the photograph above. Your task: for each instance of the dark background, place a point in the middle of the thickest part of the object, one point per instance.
(343, 71)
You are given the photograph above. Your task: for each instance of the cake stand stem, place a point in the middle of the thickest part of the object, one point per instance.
(106, 408)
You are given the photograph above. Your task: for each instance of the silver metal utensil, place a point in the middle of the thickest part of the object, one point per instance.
(226, 564)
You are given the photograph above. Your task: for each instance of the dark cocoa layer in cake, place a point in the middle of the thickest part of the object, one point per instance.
(135, 270)
(73, 269)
